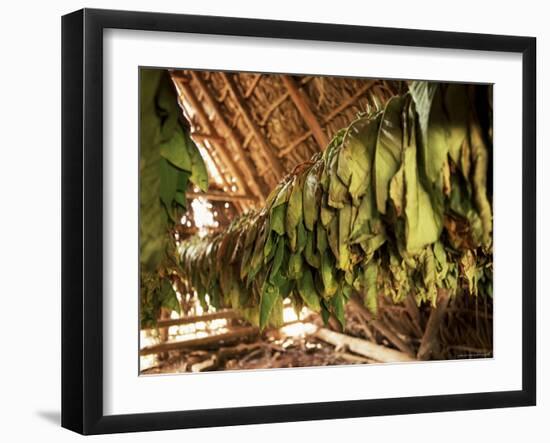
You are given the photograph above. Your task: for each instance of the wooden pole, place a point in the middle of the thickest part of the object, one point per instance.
(362, 347)
(221, 196)
(246, 164)
(225, 314)
(267, 149)
(303, 105)
(212, 138)
(210, 340)
(430, 339)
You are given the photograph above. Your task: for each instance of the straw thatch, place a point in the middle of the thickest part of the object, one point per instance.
(255, 128)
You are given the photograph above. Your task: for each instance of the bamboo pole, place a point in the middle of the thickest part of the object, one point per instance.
(246, 164)
(303, 105)
(267, 149)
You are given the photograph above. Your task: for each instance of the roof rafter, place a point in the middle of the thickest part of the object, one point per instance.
(304, 106)
(213, 138)
(246, 164)
(267, 149)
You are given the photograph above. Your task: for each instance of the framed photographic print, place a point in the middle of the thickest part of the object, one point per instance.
(270, 221)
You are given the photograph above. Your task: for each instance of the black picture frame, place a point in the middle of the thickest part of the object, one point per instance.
(82, 220)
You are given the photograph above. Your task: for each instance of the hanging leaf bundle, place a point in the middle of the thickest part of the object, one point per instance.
(397, 204)
(169, 160)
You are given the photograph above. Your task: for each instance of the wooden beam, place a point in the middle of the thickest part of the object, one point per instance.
(304, 106)
(186, 320)
(362, 347)
(202, 136)
(430, 339)
(247, 165)
(267, 149)
(229, 162)
(221, 196)
(209, 340)
(214, 139)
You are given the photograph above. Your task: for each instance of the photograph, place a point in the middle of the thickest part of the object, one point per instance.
(291, 220)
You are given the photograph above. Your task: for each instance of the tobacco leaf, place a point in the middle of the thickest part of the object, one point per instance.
(307, 291)
(387, 156)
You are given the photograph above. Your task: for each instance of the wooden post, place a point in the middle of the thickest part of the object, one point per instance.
(303, 105)
(246, 164)
(260, 138)
(430, 339)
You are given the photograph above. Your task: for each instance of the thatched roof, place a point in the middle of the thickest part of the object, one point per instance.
(254, 128)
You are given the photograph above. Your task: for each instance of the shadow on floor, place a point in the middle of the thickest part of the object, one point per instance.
(54, 417)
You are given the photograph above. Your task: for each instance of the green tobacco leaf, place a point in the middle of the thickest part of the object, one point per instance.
(301, 240)
(294, 213)
(423, 221)
(199, 174)
(332, 236)
(277, 211)
(322, 240)
(337, 192)
(371, 287)
(387, 157)
(295, 266)
(355, 158)
(277, 219)
(441, 116)
(457, 107)
(480, 157)
(307, 291)
(328, 274)
(310, 252)
(430, 275)
(278, 257)
(175, 151)
(270, 294)
(168, 297)
(344, 226)
(168, 183)
(310, 202)
(338, 309)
